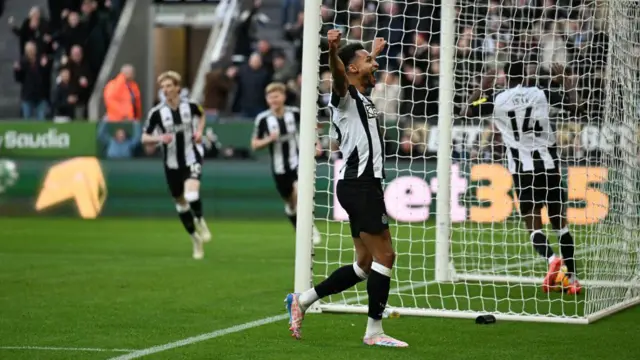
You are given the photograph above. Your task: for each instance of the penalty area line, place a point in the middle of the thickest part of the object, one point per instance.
(269, 320)
(56, 348)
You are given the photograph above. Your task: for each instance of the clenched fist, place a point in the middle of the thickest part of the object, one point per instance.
(334, 36)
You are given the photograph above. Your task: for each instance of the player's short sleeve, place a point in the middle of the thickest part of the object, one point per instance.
(483, 106)
(196, 109)
(339, 102)
(153, 120)
(260, 128)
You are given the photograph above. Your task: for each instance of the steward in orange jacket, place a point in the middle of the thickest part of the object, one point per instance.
(122, 97)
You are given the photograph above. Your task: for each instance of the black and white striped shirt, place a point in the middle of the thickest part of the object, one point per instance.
(284, 151)
(521, 114)
(356, 128)
(181, 122)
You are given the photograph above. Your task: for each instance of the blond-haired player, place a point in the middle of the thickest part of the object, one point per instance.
(177, 125)
(278, 129)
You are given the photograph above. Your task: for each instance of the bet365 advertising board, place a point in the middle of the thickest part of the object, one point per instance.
(87, 187)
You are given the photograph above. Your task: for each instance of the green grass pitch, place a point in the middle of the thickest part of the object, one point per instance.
(131, 284)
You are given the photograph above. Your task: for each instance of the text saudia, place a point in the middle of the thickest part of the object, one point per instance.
(27, 140)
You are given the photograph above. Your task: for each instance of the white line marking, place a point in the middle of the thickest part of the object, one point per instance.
(272, 319)
(54, 348)
(199, 338)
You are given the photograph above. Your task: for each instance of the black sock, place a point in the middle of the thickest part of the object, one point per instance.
(187, 220)
(540, 244)
(294, 219)
(566, 249)
(196, 207)
(378, 291)
(339, 281)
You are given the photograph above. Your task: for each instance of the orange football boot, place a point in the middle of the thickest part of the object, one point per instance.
(549, 281)
(574, 287)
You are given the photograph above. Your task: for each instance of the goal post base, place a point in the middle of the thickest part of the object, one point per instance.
(361, 309)
(538, 280)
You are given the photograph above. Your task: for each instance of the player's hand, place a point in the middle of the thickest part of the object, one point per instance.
(197, 137)
(333, 37)
(166, 138)
(378, 45)
(274, 136)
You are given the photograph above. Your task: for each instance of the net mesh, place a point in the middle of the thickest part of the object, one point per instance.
(493, 264)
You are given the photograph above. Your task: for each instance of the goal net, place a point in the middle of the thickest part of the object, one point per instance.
(463, 251)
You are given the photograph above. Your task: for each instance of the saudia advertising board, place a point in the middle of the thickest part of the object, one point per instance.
(47, 140)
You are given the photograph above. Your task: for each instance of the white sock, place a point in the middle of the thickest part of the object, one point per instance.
(307, 298)
(552, 258)
(374, 327)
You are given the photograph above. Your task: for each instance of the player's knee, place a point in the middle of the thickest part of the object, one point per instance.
(386, 258)
(191, 196)
(182, 207)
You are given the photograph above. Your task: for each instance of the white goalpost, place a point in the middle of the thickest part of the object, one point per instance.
(462, 250)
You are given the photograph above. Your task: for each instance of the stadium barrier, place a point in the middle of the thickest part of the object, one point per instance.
(87, 187)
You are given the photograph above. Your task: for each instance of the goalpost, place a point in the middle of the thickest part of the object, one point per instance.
(461, 248)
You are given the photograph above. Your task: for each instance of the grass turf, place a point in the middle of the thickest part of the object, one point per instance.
(130, 283)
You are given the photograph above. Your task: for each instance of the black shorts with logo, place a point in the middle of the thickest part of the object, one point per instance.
(286, 182)
(177, 177)
(540, 188)
(363, 200)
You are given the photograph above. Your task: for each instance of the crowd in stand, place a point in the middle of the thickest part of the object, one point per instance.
(488, 33)
(61, 55)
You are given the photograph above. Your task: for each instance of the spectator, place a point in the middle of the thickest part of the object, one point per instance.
(122, 96)
(218, 86)
(81, 77)
(282, 69)
(266, 52)
(34, 28)
(252, 79)
(33, 72)
(119, 146)
(64, 99)
(99, 35)
(60, 9)
(73, 33)
(246, 30)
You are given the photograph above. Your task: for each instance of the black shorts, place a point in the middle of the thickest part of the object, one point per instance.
(364, 203)
(540, 188)
(177, 177)
(285, 183)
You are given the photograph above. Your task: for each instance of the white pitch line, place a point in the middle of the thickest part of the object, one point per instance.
(269, 320)
(55, 348)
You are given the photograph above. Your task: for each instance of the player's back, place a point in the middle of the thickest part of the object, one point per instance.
(522, 116)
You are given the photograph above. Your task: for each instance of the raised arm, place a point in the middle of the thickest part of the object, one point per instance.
(378, 45)
(486, 84)
(568, 98)
(338, 71)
